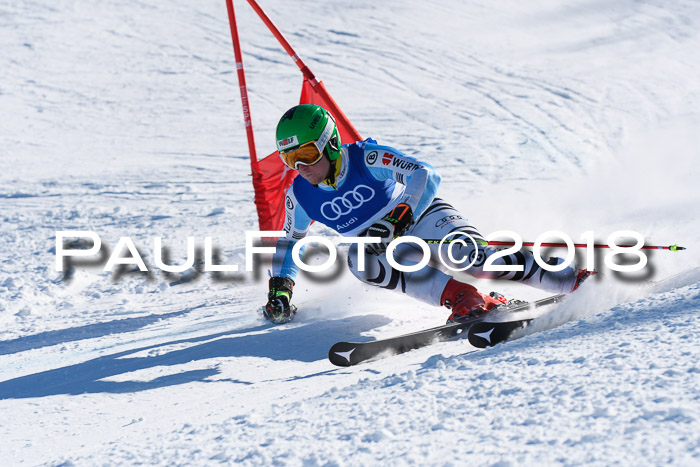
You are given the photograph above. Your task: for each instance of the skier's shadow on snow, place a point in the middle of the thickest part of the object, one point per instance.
(307, 343)
(89, 331)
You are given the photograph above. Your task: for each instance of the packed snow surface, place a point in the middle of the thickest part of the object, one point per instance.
(123, 118)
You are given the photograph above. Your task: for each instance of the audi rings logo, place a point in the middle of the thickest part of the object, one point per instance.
(342, 205)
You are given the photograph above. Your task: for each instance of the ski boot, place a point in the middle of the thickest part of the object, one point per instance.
(583, 274)
(278, 309)
(466, 302)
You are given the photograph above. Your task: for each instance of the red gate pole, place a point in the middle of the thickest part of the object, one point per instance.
(286, 45)
(318, 86)
(242, 86)
(263, 214)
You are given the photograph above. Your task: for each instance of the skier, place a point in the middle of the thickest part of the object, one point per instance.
(364, 189)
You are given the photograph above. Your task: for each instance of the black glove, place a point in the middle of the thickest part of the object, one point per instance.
(391, 226)
(278, 308)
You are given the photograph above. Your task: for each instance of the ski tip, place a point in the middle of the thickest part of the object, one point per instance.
(341, 354)
(487, 334)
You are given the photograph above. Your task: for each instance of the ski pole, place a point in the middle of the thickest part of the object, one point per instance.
(562, 245)
(583, 245)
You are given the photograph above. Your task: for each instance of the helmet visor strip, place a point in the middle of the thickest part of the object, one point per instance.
(311, 152)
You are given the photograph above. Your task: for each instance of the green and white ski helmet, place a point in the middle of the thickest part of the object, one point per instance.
(308, 123)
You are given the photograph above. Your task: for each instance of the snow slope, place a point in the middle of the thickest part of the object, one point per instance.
(124, 118)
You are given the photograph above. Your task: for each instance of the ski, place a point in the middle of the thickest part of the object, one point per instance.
(487, 334)
(352, 353)
(480, 333)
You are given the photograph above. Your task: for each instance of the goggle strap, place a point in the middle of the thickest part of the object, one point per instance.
(326, 134)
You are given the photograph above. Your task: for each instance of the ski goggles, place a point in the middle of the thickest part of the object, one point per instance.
(308, 153)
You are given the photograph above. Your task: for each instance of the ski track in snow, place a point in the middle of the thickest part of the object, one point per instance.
(124, 118)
